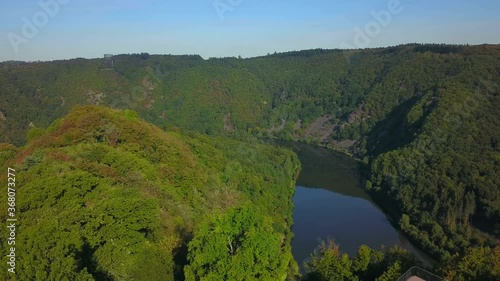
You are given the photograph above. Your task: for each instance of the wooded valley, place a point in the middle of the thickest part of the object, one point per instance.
(423, 120)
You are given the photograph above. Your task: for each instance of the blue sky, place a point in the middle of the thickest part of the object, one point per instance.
(219, 28)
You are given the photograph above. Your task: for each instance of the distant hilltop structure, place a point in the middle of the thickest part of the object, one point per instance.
(108, 61)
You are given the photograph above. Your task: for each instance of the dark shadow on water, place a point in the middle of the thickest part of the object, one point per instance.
(330, 203)
(325, 169)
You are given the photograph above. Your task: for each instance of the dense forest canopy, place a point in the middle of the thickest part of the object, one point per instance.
(104, 195)
(424, 120)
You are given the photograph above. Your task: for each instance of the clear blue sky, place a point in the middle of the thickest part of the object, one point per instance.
(90, 28)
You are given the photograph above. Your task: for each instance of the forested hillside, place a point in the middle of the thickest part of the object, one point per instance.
(103, 195)
(424, 119)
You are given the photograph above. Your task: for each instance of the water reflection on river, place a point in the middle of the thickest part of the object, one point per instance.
(330, 203)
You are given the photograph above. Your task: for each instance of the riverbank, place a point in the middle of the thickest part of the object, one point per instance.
(331, 203)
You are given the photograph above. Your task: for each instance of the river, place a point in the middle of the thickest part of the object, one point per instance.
(331, 204)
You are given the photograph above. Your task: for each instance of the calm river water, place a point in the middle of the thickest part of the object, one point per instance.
(330, 203)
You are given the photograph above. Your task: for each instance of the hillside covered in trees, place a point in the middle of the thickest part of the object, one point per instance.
(424, 119)
(103, 195)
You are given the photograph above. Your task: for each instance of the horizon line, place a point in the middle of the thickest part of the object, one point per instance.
(253, 57)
